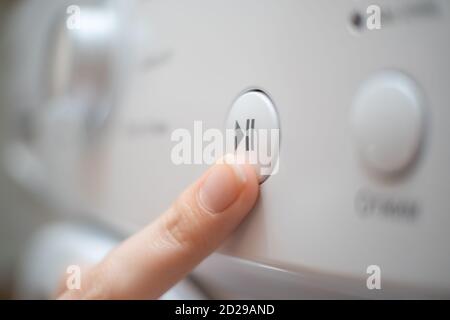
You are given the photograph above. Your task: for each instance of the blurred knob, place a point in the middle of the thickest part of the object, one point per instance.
(388, 121)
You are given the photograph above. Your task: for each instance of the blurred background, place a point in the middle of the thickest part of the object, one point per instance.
(90, 92)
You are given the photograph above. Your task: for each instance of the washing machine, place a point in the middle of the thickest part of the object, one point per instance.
(93, 91)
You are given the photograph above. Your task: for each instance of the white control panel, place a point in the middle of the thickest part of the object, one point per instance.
(363, 174)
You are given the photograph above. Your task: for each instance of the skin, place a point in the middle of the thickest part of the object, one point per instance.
(151, 261)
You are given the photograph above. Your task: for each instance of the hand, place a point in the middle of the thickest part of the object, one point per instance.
(151, 261)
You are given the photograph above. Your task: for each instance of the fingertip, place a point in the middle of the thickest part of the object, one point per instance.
(250, 192)
(227, 181)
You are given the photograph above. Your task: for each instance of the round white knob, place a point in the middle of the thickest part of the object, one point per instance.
(254, 120)
(387, 119)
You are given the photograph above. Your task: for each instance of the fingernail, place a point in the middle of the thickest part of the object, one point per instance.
(242, 159)
(221, 187)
